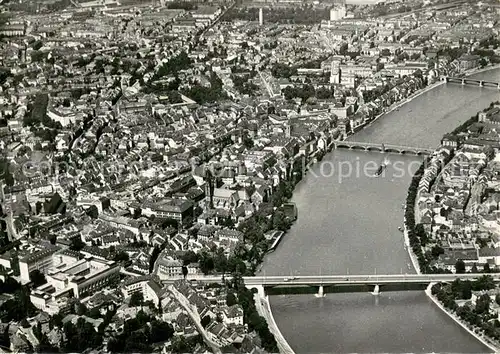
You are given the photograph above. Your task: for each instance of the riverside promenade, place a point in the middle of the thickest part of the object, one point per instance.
(413, 258)
(486, 341)
(398, 104)
(264, 309)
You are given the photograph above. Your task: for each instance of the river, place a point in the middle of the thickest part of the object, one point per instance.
(348, 224)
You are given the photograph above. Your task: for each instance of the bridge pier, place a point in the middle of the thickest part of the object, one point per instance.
(481, 83)
(321, 292)
(463, 81)
(376, 290)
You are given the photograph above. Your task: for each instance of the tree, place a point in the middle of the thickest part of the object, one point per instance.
(56, 320)
(460, 267)
(92, 212)
(466, 290)
(486, 268)
(160, 331)
(248, 142)
(136, 299)
(80, 337)
(206, 263)
(421, 234)
(18, 307)
(180, 345)
(220, 261)
(436, 251)
(231, 299)
(205, 321)
(484, 283)
(76, 244)
(474, 269)
(37, 278)
(122, 256)
(81, 309)
(280, 221)
(95, 313)
(189, 257)
(483, 304)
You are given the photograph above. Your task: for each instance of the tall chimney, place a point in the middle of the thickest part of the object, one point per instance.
(261, 17)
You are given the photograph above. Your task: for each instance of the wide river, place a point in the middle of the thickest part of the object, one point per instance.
(348, 224)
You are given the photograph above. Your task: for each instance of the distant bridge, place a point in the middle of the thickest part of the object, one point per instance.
(467, 81)
(374, 281)
(345, 144)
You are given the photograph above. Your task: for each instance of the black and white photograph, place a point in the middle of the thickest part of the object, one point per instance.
(249, 176)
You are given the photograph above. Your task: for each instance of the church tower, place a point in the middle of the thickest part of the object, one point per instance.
(209, 188)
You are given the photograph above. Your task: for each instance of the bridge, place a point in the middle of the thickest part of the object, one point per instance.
(467, 81)
(351, 145)
(373, 281)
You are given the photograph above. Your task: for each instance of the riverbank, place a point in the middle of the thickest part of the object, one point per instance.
(264, 310)
(399, 104)
(413, 258)
(479, 337)
(481, 70)
(432, 86)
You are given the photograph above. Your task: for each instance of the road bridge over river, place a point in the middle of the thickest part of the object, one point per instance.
(319, 281)
(367, 146)
(375, 281)
(469, 81)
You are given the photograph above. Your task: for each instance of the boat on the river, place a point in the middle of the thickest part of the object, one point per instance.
(400, 228)
(380, 170)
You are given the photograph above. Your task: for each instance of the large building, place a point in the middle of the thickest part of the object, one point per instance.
(148, 285)
(168, 268)
(170, 208)
(71, 276)
(40, 260)
(469, 61)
